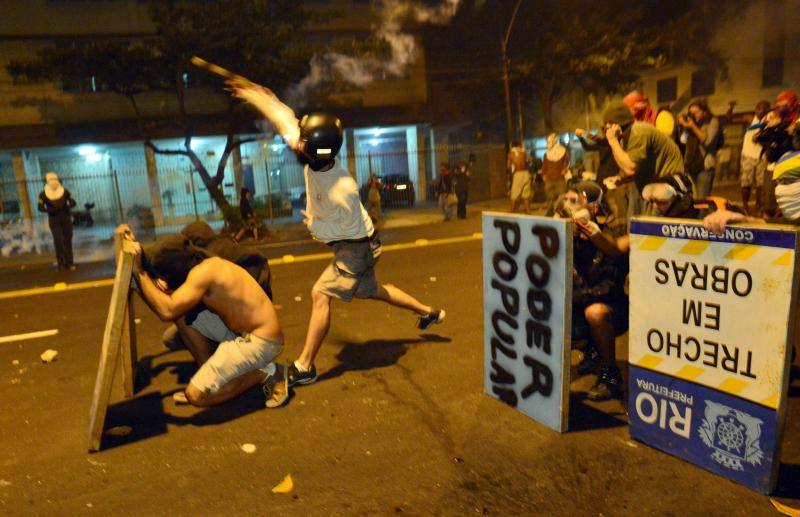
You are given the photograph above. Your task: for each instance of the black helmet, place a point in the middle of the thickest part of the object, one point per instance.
(322, 134)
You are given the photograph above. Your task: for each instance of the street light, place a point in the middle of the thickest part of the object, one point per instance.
(506, 63)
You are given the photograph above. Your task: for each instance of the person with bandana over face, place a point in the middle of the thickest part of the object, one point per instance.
(599, 302)
(554, 169)
(57, 202)
(520, 189)
(335, 216)
(640, 107)
(776, 140)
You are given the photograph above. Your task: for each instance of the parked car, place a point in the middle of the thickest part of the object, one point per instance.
(398, 191)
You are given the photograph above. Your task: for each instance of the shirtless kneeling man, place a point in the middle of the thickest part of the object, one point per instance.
(180, 276)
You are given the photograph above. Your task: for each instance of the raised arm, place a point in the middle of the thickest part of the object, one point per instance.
(626, 165)
(280, 115)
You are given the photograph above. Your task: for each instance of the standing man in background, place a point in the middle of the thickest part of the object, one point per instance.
(520, 177)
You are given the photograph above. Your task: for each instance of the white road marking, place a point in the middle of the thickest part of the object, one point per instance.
(29, 335)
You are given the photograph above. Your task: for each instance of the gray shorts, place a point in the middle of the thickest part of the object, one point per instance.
(233, 359)
(212, 327)
(352, 271)
(752, 171)
(521, 185)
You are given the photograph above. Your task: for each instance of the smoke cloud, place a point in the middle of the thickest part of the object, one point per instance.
(362, 71)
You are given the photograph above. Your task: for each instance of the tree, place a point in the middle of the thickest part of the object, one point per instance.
(602, 47)
(260, 39)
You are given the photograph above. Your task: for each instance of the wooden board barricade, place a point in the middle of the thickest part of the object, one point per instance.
(527, 312)
(712, 323)
(119, 344)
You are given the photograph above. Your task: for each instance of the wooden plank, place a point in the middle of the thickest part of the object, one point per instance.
(109, 352)
(128, 339)
(128, 344)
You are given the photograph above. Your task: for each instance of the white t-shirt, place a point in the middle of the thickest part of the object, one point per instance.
(751, 149)
(334, 204)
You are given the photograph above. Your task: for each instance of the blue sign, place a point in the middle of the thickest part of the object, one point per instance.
(682, 229)
(719, 432)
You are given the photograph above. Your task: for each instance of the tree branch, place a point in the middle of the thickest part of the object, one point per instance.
(156, 150)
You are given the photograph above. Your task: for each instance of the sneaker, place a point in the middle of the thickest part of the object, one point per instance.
(276, 388)
(295, 376)
(590, 362)
(608, 385)
(435, 316)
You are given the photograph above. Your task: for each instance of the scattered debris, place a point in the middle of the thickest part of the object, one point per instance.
(120, 430)
(298, 298)
(49, 355)
(180, 397)
(89, 505)
(4, 483)
(16, 380)
(433, 279)
(369, 453)
(458, 460)
(249, 448)
(784, 509)
(285, 486)
(15, 362)
(96, 463)
(22, 370)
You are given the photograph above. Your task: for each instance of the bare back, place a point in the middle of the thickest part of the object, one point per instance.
(517, 159)
(237, 298)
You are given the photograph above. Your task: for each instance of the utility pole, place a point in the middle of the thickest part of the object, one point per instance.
(506, 77)
(521, 118)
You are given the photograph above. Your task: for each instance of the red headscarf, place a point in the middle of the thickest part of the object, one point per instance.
(791, 111)
(640, 107)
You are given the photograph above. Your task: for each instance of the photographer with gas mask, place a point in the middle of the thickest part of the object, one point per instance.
(599, 302)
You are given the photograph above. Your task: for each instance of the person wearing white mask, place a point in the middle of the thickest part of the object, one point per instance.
(554, 170)
(57, 202)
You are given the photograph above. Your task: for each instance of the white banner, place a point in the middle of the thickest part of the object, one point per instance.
(713, 310)
(527, 304)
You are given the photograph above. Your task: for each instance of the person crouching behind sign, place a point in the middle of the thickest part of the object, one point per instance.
(599, 302)
(177, 276)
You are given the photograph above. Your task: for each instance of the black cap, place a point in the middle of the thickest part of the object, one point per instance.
(591, 190)
(618, 113)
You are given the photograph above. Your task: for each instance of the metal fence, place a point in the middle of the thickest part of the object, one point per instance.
(118, 188)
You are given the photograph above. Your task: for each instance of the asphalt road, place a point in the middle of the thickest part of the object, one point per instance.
(397, 424)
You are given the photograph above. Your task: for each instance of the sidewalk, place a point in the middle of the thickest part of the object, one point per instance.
(94, 245)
